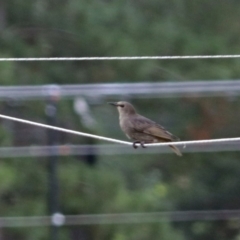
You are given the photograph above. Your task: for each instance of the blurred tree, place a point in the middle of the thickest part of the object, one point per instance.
(123, 183)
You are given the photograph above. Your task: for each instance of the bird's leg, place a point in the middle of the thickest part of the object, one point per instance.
(141, 143)
(134, 144)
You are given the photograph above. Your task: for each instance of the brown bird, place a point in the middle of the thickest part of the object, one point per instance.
(140, 129)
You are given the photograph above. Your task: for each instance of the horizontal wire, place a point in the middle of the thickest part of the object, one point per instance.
(27, 152)
(29, 59)
(58, 219)
(213, 88)
(180, 143)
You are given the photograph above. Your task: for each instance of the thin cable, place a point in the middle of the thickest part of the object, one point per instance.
(30, 59)
(64, 130)
(27, 152)
(184, 143)
(59, 219)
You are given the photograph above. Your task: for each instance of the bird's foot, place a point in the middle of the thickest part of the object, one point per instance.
(141, 143)
(134, 144)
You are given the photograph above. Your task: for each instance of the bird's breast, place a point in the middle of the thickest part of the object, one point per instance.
(122, 122)
(126, 126)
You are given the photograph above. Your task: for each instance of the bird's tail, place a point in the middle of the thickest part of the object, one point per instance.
(176, 150)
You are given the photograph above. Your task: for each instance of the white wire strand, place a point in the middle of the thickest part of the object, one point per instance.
(64, 130)
(59, 219)
(184, 143)
(30, 59)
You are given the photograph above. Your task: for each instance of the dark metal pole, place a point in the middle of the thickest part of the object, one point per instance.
(52, 139)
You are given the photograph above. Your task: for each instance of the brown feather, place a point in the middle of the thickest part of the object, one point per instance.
(159, 132)
(176, 150)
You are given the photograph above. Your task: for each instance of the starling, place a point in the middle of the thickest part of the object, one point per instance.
(141, 129)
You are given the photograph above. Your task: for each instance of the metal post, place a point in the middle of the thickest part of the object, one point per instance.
(52, 139)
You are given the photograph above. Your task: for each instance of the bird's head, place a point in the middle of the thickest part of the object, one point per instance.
(124, 108)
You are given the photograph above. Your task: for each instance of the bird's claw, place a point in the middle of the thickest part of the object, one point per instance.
(141, 143)
(134, 146)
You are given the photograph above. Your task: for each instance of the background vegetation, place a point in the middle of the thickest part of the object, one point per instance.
(124, 183)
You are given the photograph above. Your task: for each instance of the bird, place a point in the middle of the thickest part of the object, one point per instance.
(141, 129)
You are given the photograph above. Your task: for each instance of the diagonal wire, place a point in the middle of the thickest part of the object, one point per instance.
(184, 143)
(64, 130)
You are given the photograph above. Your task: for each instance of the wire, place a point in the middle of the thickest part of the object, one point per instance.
(104, 149)
(184, 143)
(92, 92)
(64, 130)
(117, 58)
(58, 219)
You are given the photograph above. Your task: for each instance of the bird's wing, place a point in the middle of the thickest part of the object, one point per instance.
(160, 132)
(149, 127)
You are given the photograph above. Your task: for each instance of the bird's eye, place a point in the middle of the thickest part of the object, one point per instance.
(122, 105)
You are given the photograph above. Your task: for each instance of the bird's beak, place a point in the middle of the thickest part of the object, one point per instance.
(113, 104)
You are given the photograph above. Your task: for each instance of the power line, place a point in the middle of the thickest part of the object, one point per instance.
(180, 143)
(64, 130)
(59, 219)
(30, 59)
(117, 90)
(105, 149)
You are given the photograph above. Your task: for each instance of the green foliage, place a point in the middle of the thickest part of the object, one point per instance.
(125, 183)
